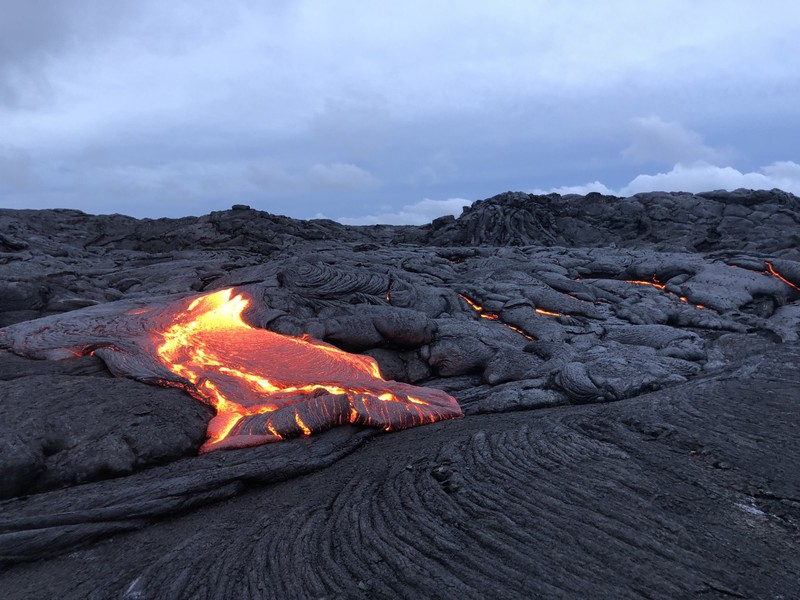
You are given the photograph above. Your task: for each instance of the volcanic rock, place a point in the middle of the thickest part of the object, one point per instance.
(627, 368)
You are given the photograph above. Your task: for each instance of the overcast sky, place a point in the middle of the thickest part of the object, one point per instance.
(391, 112)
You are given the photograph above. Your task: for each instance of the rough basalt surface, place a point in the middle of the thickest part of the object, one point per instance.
(627, 367)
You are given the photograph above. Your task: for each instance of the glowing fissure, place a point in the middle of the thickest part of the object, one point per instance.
(244, 372)
(661, 286)
(771, 271)
(389, 290)
(655, 283)
(495, 317)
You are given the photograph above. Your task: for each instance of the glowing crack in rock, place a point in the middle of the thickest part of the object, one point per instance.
(655, 283)
(264, 386)
(771, 271)
(495, 317)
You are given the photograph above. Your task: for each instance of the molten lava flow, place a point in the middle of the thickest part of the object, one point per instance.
(267, 387)
(771, 271)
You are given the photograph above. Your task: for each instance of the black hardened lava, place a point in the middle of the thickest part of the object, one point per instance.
(628, 369)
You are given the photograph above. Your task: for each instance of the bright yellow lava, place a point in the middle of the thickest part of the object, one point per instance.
(241, 370)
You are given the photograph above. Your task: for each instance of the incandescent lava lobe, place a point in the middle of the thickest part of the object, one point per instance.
(264, 386)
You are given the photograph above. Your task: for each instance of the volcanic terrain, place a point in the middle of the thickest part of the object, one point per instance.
(627, 369)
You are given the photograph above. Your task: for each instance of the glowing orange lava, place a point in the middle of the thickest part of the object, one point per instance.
(660, 286)
(655, 283)
(519, 331)
(493, 316)
(477, 307)
(771, 271)
(267, 387)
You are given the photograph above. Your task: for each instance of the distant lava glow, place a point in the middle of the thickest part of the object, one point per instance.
(267, 387)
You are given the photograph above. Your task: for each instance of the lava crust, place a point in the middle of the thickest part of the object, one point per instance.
(627, 369)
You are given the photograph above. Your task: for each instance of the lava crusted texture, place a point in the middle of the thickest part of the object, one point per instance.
(628, 370)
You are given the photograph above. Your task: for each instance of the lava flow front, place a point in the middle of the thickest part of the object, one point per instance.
(266, 387)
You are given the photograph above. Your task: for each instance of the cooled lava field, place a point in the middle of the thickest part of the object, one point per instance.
(547, 396)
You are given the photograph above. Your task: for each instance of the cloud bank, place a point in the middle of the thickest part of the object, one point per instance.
(656, 140)
(694, 165)
(701, 177)
(697, 177)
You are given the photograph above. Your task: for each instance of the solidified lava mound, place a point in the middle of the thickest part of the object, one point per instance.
(627, 368)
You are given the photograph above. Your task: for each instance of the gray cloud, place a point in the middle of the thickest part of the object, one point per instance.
(16, 171)
(439, 167)
(155, 108)
(701, 177)
(30, 31)
(655, 140)
(668, 142)
(36, 36)
(417, 213)
(343, 176)
(698, 177)
(318, 177)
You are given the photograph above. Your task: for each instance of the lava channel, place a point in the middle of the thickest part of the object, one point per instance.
(267, 387)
